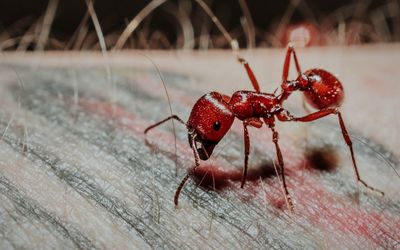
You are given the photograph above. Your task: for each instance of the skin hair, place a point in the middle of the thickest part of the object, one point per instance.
(77, 173)
(86, 182)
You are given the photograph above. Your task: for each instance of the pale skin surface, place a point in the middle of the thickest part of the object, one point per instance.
(89, 178)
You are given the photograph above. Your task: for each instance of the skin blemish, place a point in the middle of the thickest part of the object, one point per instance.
(323, 159)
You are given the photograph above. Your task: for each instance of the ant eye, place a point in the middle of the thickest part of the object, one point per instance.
(216, 126)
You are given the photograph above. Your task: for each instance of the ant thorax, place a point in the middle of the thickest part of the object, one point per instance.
(248, 104)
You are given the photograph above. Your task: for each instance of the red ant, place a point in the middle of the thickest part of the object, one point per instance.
(213, 114)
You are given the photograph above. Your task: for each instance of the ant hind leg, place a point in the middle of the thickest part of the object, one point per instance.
(325, 112)
(350, 145)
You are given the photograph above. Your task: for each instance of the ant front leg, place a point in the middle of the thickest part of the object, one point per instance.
(250, 73)
(191, 171)
(161, 122)
(173, 127)
(290, 50)
(325, 112)
(246, 140)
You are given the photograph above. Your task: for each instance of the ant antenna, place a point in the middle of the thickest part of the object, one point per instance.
(169, 105)
(100, 35)
(191, 171)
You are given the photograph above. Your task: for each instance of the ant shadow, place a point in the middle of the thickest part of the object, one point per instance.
(210, 177)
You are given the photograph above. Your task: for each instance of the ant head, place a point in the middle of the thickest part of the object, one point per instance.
(321, 88)
(209, 121)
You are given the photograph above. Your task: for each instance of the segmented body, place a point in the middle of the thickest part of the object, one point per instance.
(248, 104)
(213, 114)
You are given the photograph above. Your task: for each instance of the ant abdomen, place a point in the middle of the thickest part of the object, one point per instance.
(324, 89)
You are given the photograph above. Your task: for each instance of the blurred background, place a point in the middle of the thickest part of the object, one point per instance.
(66, 25)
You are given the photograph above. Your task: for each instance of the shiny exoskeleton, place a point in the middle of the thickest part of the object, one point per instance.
(213, 115)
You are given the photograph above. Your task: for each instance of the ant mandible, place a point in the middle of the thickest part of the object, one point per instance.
(213, 114)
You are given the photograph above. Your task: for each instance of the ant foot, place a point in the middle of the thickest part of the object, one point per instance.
(241, 60)
(336, 111)
(371, 188)
(289, 203)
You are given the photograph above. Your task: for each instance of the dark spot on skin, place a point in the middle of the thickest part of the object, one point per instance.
(323, 159)
(216, 125)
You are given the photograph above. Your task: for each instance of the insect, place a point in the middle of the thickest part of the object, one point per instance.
(213, 114)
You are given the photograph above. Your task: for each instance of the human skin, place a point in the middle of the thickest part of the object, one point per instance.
(80, 173)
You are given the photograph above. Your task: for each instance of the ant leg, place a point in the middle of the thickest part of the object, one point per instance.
(161, 122)
(324, 112)
(250, 73)
(275, 138)
(180, 187)
(254, 122)
(286, 65)
(246, 139)
(190, 172)
(350, 145)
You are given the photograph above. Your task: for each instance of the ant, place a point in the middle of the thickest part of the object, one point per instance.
(213, 114)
